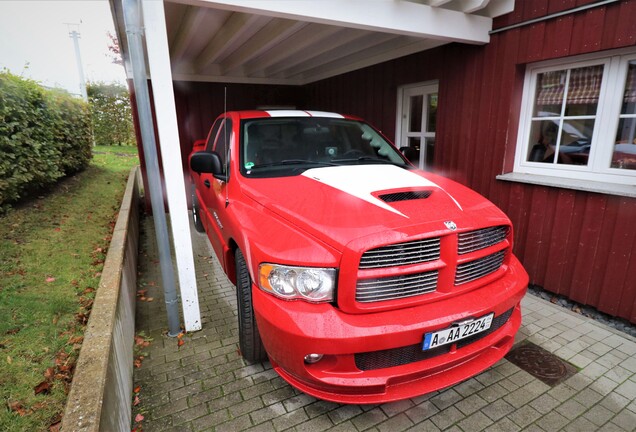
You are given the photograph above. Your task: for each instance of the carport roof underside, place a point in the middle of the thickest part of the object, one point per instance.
(301, 41)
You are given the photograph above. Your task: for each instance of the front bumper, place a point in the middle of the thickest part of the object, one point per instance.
(291, 330)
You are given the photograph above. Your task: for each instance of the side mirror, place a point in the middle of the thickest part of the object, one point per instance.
(209, 163)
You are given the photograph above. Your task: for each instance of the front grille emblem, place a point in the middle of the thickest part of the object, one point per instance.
(450, 225)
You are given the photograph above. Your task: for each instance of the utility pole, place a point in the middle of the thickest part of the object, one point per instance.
(75, 35)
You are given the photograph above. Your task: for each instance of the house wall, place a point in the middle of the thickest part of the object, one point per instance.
(578, 244)
(572, 243)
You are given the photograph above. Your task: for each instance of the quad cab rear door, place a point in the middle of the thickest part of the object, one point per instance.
(213, 191)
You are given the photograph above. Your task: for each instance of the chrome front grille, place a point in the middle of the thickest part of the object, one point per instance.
(413, 252)
(480, 239)
(396, 287)
(472, 270)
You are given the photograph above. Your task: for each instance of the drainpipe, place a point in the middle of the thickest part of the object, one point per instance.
(134, 33)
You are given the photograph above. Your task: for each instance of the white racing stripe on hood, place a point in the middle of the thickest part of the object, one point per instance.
(362, 180)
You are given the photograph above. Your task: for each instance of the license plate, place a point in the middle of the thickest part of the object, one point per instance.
(457, 332)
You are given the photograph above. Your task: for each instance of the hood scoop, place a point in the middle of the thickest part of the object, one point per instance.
(405, 196)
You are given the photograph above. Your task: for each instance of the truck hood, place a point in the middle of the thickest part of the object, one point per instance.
(344, 203)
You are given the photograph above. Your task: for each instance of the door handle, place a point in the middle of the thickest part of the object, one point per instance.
(207, 183)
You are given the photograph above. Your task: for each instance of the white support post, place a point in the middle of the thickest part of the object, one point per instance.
(163, 94)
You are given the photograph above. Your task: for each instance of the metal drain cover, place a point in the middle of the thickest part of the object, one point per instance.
(540, 363)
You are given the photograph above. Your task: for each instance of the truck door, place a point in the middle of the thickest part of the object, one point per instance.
(213, 191)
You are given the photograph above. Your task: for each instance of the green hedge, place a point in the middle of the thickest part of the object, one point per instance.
(44, 135)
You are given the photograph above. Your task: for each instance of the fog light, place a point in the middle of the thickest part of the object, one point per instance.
(313, 358)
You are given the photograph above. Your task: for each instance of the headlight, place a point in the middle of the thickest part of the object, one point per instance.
(306, 283)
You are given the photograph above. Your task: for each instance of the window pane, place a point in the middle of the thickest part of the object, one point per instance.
(416, 113)
(629, 98)
(415, 143)
(583, 91)
(549, 94)
(432, 112)
(625, 149)
(430, 152)
(576, 140)
(543, 136)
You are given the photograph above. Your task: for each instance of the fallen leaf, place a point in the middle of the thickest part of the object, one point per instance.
(50, 279)
(13, 331)
(88, 290)
(137, 389)
(55, 427)
(18, 408)
(9, 359)
(554, 299)
(141, 293)
(139, 418)
(49, 373)
(180, 342)
(136, 401)
(76, 339)
(43, 387)
(149, 299)
(180, 335)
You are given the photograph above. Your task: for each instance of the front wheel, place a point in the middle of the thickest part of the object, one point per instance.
(196, 215)
(249, 338)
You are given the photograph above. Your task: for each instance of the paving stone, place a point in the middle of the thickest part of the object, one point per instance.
(427, 426)
(524, 416)
(185, 391)
(397, 423)
(604, 385)
(475, 422)
(421, 412)
(588, 398)
(289, 420)
(615, 402)
(169, 408)
(238, 424)
(498, 409)
(292, 404)
(268, 413)
(393, 408)
(446, 398)
(493, 392)
(627, 389)
(189, 414)
(209, 421)
(319, 407)
(503, 425)
(544, 403)
(368, 419)
(625, 419)
(553, 421)
(319, 423)
(245, 407)
(599, 415)
(344, 413)
(447, 417)
(468, 387)
(471, 404)
(571, 409)
(581, 424)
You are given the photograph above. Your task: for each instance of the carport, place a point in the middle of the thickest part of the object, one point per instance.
(265, 53)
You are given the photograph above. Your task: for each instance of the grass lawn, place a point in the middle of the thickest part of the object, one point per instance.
(52, 250)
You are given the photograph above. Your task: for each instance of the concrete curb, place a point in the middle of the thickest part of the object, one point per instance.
(101, 392)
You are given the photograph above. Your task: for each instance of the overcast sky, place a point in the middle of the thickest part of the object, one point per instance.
(35, 32)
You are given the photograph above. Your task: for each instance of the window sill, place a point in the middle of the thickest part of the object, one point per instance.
(581, 185)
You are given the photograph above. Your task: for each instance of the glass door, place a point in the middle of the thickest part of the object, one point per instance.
(418, 118)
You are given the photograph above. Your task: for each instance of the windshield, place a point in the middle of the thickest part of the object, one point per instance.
(272, 147)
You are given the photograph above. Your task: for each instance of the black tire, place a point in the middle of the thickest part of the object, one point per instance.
(196, 215)
(249, 338)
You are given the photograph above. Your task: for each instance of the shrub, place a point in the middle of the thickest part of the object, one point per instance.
(44, 135)
(111, 114)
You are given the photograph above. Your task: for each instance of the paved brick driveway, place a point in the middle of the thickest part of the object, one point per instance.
(205, 385)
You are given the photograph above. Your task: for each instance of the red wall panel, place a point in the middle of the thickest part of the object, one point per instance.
(573, 243)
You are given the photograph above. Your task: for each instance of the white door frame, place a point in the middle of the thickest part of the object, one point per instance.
(403, 112)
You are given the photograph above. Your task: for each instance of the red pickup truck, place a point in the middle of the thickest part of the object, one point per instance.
(363, 279)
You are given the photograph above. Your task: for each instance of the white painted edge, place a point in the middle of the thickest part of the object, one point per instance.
(166, 113)
(574, 184)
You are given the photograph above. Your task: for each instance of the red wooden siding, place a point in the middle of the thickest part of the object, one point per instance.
(573, 243)
(578, 244)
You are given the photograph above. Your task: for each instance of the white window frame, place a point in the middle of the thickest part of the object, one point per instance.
(606, 123)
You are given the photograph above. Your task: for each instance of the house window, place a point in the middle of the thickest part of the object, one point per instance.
(578, 119)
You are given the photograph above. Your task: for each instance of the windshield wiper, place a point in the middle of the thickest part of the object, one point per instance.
(366, 159)
(293, 162)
